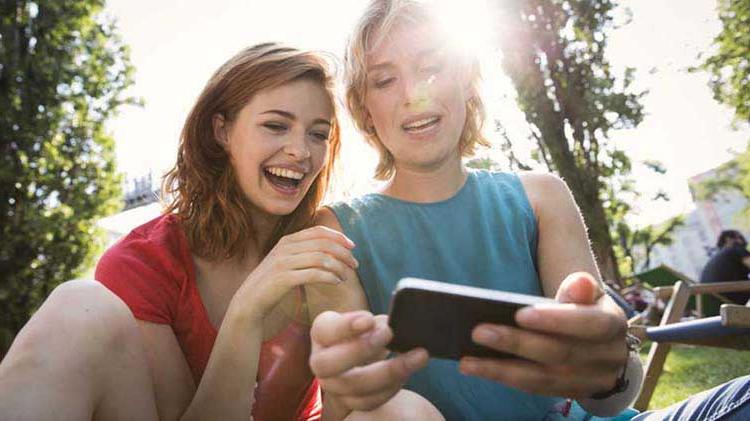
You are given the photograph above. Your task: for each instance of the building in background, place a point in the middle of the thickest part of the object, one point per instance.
(695, 241)
(141, 197)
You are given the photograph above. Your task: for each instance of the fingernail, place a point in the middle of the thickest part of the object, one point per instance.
(414, 359)
(467, 365)
(487, 335)
(527, 316)
(361, 323)
(356, 263)
(380, 337)
(350, 242)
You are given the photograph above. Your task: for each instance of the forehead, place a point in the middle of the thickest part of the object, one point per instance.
(403, 42)
(304, 97)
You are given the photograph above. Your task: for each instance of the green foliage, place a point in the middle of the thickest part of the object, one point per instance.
(729, 63)
(729, 66)
(553, 51)
(63, 71)
(635, 245)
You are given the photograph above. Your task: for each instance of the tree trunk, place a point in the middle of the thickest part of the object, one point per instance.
(520, 62)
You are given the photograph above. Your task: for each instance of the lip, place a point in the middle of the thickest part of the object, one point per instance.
(416, 117)
(297, 168)
(292, 191)
(286, 191)
(426, 134)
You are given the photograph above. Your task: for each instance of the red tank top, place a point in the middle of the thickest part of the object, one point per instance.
(152, 271)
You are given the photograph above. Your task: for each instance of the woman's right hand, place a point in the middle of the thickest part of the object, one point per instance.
(314, 255)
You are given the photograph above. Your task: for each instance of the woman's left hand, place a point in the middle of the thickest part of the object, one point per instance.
(574, 349)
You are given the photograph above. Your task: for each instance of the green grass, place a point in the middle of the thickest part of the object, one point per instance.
(689, 370)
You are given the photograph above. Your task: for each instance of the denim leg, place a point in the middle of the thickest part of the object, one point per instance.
(727, 402)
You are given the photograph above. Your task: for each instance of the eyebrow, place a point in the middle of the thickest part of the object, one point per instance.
(420, 55)
(290, 116)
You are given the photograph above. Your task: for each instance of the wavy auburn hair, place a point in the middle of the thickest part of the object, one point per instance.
(381, 17)
(202, 188)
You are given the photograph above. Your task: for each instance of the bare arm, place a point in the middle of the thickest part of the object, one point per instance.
(315, 255)
(573, 349)
(348, 354)
(347, 296)
(229, 375)
(563, 247)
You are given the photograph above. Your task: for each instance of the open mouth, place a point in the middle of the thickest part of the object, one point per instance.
(421, 125)
(284, 179)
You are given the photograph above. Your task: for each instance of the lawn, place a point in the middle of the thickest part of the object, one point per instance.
(689, 370)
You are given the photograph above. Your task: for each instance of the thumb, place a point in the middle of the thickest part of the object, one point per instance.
(579, 288)
(331, 327)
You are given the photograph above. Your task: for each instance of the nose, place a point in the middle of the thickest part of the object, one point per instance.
(296, 147)
(416, 91)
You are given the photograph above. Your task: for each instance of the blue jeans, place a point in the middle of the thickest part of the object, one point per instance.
(727, 402)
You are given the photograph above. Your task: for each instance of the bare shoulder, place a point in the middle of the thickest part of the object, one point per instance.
(327, 218)
(545, 191)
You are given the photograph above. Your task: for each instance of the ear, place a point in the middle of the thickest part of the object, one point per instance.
(465, 72)
(220, 130)
(369, 126)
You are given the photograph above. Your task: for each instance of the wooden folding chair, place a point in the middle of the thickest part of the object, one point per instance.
(729, 330)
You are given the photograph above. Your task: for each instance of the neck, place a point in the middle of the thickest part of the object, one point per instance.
(426, 185)
(263, 226)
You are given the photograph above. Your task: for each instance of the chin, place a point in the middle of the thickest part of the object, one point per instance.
(281, 210)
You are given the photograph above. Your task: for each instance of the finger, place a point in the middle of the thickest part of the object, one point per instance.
(585, 322)
(318, 232)
(378, 377)
(318, 260)
(548, 349)
(536, 378)
(579, 288)
(311, 276)
(328, 246)
(533, 346)
(335, 359)
(330, 327)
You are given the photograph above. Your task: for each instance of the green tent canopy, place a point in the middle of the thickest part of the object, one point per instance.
(665, 276)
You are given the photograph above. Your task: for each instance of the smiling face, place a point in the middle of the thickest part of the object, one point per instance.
(278, 144)
(415, 98)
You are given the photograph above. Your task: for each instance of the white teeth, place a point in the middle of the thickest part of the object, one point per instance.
(420, 123)
(286, 173)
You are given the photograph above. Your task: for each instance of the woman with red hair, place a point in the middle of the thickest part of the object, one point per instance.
(202, 313)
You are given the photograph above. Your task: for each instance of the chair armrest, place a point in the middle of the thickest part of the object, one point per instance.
(694, 329)
(734, 315)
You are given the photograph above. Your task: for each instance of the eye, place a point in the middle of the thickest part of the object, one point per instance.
(382, 83)
(432, 69)
(275, 127)
(320, 136)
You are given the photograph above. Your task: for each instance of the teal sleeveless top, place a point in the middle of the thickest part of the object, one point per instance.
(484, 236)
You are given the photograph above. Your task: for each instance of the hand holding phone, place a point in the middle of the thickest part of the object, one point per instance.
(440, 316)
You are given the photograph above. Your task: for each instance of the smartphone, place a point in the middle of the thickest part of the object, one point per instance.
(440, 316)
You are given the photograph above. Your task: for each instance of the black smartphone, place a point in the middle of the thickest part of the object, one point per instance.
(440, 316)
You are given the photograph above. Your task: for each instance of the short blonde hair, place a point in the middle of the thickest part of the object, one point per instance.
(380, 17)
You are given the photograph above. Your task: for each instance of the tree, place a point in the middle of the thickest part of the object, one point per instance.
(63, 71)
(553, 51)
(729, 66)
(645, 239)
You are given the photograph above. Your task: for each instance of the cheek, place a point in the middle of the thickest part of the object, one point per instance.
(319, 154)
(378, 108)
(245, 162)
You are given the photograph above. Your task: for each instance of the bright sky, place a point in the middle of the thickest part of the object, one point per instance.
(176, 46)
